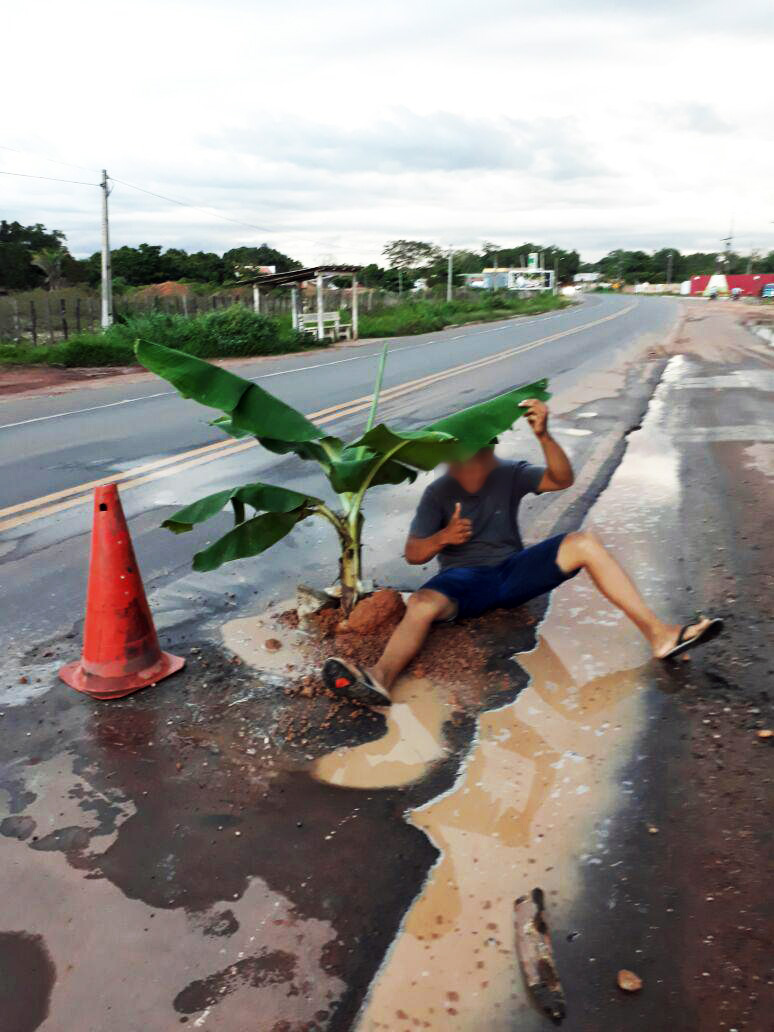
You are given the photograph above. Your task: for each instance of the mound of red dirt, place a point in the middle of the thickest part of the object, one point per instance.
(376, 611)
(454, 655)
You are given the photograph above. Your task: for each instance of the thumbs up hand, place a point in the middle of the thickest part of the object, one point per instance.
(459, 530)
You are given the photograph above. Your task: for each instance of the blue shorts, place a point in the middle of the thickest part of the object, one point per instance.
(520, 577)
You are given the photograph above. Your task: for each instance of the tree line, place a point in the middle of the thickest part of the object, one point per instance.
(33, 256)
(669, 265)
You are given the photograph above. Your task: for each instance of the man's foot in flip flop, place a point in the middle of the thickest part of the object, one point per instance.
(681, 639)
(353, 682)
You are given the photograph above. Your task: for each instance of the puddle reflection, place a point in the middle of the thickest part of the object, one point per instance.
(413, 741)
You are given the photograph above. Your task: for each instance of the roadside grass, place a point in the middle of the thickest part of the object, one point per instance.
(227, 332)
(426, 316)
(237, 331)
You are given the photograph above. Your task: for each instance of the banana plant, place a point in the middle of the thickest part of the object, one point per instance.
(380, 455)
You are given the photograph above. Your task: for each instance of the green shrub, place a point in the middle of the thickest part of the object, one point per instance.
(427, 316)
(238, 331)
(223, 333)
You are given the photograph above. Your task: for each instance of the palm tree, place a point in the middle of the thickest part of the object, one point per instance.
(49, 261)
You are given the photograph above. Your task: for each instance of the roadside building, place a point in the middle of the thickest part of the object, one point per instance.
(529, 277)
(749, 284)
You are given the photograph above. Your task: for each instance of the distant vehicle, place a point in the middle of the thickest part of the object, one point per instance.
(768, 290)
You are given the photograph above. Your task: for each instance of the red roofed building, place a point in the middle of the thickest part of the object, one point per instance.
(751, 284)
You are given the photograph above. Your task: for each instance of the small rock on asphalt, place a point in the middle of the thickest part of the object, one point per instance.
(628, 981)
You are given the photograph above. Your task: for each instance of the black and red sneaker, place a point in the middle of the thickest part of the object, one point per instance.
(353, 682)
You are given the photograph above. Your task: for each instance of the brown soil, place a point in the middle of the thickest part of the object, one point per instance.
(454, 657)
(382, 609)
(19, 379)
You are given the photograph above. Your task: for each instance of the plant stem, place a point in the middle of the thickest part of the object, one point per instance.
(377, 389)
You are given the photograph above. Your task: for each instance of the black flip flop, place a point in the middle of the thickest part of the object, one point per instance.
(353, 683)
(712, 630)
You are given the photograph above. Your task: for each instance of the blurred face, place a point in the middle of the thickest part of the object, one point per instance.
(472, 474)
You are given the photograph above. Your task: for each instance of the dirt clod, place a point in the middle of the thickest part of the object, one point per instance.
(383, 607)
(272, 644)
(628, 981)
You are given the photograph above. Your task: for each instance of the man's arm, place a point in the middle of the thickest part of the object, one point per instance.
(422, 550)
(558, 474)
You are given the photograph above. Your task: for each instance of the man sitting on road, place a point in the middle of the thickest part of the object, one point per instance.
(468, 519)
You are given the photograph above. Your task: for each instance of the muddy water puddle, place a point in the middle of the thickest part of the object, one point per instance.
(413, 741)
(533, 802)
(248, 638)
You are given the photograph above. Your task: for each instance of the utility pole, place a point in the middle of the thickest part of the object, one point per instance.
(449, 275)
(556, 275)
(107, 272)
(669, 267)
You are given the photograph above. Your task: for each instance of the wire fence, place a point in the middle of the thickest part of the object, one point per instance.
(50, 316)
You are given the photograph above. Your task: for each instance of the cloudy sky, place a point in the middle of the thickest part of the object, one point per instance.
(333, 127)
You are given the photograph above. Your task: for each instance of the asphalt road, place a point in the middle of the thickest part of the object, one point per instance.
(228, 845)
(164, 453)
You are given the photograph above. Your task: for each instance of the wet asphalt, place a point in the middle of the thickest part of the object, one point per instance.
(42, 561)
(172, 850)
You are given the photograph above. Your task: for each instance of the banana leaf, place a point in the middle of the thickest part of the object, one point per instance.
(261, 497)
(348, 473)
(476, 426)
(249, 407)
(454, 437)
(422, 449)
(249, 538)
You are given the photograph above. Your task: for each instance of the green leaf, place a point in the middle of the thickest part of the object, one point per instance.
(422, 449)
(476, 426)
(261, 497)
(348, 473)
(455, 437)
(250, 408)
(250, 538)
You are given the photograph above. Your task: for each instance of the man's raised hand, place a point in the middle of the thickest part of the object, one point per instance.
(459, 530)
(537, 415)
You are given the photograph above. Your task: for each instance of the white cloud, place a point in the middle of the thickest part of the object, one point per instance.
(335, 127)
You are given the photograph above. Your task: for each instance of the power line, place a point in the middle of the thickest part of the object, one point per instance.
(195, 207)
(132, 186)
(50, 179)
(42, 157)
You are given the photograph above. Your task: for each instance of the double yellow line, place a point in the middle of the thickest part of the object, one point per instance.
(48, 505)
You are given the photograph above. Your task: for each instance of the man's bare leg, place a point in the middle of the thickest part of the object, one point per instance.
(422, 610)
(584, 550)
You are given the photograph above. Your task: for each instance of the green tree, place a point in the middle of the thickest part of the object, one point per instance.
(626, 266)
(205, 267)
(410, 257)
(50, 263)
(18, 245)
(664, 261)
(241, 262)
(138, 265)
(410, 254)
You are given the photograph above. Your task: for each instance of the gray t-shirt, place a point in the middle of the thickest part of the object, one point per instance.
(493, 512)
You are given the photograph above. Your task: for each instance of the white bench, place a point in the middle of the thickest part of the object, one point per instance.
(333, 327)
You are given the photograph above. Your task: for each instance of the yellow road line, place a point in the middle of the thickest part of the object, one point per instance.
(114, 478)
(172, 465)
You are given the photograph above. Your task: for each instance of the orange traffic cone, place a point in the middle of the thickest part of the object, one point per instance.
(121, 652)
